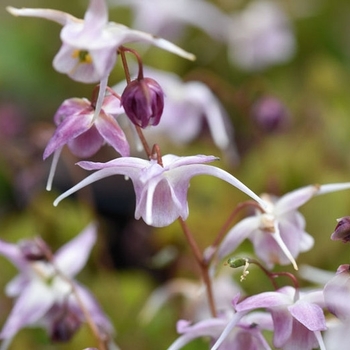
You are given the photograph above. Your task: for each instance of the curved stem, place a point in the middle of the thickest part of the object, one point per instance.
(204, 267)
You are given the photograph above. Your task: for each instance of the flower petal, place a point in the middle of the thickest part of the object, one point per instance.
(112, 133)
(70, 128)
(211, 327)
(237, 235)
(34, 301)
(60, 17)
(310, 315)
(72, 257)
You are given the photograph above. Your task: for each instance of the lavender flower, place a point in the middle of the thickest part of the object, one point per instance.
(89, 46)
(297, 319)
(260, 36)
(43, 297)
(161, 191)
(278, 234)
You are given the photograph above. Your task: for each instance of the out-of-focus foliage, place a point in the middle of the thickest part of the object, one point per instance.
(312, 148)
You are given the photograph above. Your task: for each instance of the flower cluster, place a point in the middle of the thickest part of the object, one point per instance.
(155, 103)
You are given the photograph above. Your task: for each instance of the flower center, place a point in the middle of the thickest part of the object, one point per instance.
(83, 56)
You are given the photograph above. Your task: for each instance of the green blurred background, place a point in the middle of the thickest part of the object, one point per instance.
(314, 87)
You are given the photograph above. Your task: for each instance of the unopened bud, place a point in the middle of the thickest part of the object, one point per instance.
(143, 102)
(237, 262)
(342, 230)
(64, 327)
(270, 113)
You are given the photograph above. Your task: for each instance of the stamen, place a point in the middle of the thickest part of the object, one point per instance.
(83, 56)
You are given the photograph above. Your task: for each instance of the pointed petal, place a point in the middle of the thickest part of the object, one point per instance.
(13, 253)
(124, 34)
(295, 199)
(104, 172)
(70, 128)
(94, 310)
(310, 315)
(183, 175)
(72, 257)
(110, 130)
(56, 156)
(237, 235)
(31, 305)
(333, 188)
(264, 300)
(96, 16)
(211, 327)
(60, 17)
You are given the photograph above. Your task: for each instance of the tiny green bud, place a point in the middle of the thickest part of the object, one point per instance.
(237, 262)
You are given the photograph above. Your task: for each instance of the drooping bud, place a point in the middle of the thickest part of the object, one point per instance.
(270, 114)
(143, 102)
(65, 326)
(342, 230)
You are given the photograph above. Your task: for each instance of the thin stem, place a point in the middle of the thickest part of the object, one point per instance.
(202, 265)
(88, 317)
(229, 220)
(123, 49)
(273, 275)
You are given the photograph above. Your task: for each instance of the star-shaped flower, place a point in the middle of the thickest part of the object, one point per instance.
(161, 191)
(278, 234)
(89, 47)
(43, 297)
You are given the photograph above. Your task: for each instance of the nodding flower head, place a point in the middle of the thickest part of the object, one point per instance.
(143, 102)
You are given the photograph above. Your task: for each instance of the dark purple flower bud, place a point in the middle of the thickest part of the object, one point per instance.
(143, 102)
(64, 327)
(270, 113)
(34, 250)
(342, 230)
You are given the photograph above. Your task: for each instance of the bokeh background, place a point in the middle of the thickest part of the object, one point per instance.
(307, 143)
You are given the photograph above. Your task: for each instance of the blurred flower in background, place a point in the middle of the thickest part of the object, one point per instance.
(259, 36)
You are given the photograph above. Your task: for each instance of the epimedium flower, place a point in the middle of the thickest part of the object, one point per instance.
(298, 318)
(143, 102)
(89, 46)
(161, 190)
(44, 298)
(83, 132)
(278, 233)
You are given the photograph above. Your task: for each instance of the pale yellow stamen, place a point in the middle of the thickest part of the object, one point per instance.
(83, 56)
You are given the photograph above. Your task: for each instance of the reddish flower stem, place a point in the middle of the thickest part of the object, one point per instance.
(203, 265)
